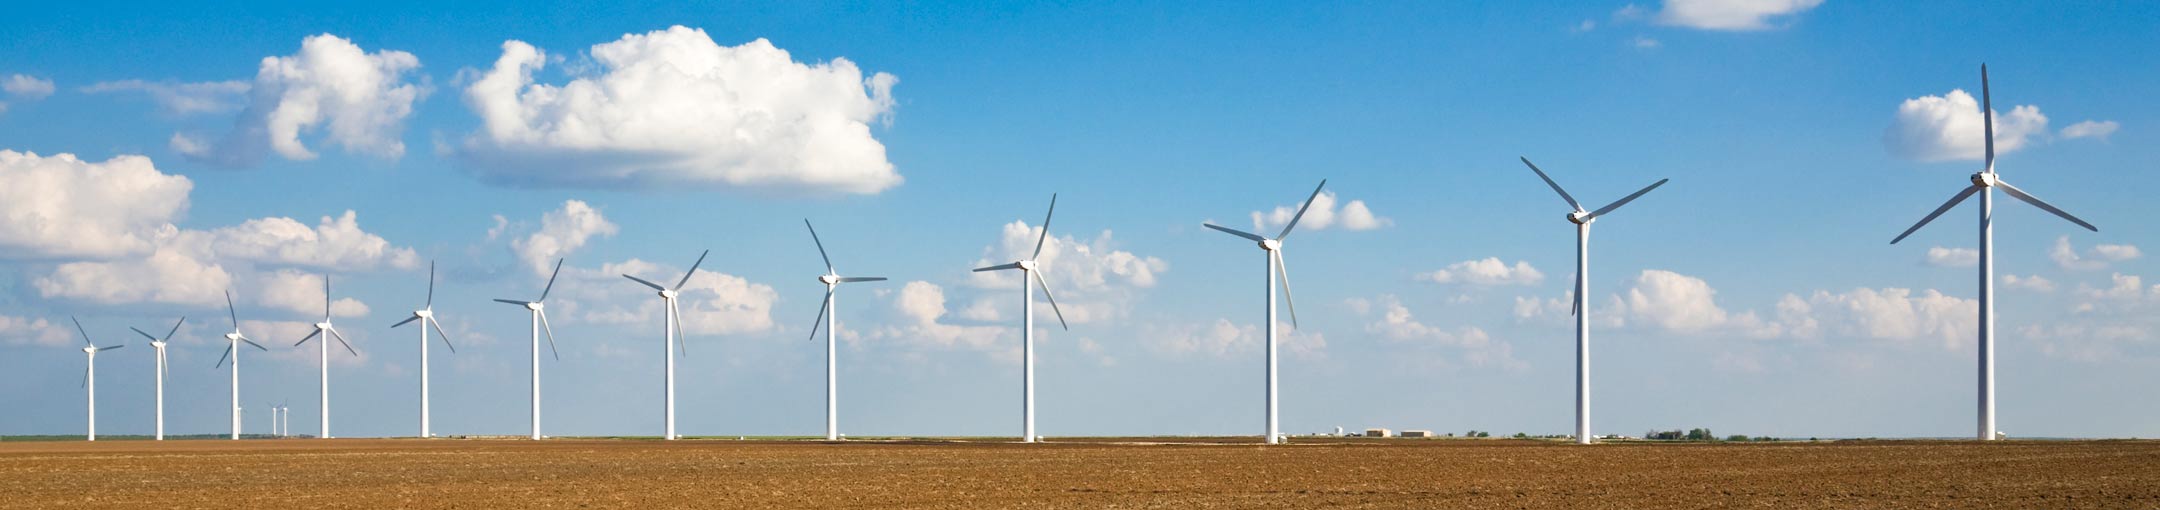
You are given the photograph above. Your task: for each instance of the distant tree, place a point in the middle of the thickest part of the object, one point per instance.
(1700, 435)
(1482, 433)
(1736, 437)
(1765, 438)
(1519, 435)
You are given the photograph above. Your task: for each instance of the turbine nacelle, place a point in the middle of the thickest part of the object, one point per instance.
(232, 337)
(424, 314)
(535, 306)
(1270, 244)
(159, 345)
(669, 294)
(90, 350)
(1580, 218)
(1985, 179)
(322, 325)
(1026, 265)
(829, 279)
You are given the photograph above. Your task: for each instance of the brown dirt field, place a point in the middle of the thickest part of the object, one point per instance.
(364, 473)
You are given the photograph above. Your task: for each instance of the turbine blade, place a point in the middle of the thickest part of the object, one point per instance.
(681, 343)
(1282, 271)
(1053, 300)
(442, 334)
(1235, 232)
(1623, 201)
(341, 341)
(144, 335)
(1574, 300)
(1555, 186)
(85, 332)
(822, 303)
(1301, 210)
(229, 309)
(175, 328)
(257, 346)
(310, 336)
(654, 286)
(853, 279)
(551, 281)
(550, 335)
(430, 284)
(407, 319)
(999, 267)
(1987, 111)
(514, 302)
(1046, 228)
(111, 347)
(2036, 202)
(820, 246)
(86, 375)
(221, 358)
(326, 297)
(693, 270)
(1968, 191)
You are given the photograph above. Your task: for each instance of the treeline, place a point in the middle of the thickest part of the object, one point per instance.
(1701, 434)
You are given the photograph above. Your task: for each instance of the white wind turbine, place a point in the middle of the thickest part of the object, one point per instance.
(1029, 270)
(89, 384)
(671, 329)
(1983, 183)
(160, 345)
(828, 315)
(1581, 308)
(1273, 249)
(539, 324)
(232, 350)
(327, 331)
(426, 316)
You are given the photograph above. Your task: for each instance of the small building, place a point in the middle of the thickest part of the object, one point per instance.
(1378, 432)
(1417, 433)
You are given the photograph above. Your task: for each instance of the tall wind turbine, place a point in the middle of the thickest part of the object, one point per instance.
(828, 315)
(89, 377)
(1984, 183)
(1581, 309)
(160, 345)
(671, 329)
(539, 323)
(232, 351)
(1276, 269)
(1028, 270)
(327, 331)
(426, 316)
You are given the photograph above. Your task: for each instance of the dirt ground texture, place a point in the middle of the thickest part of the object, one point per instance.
(407, 473)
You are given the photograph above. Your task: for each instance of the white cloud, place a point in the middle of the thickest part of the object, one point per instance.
(2033, 283)
(184, 98)
(38, 332)
(336, 243)
(1682, 303)
(1897, 314)
(60, 206)
(2090, 129)
(671, 108)
(27, 87)
(302, 293)
(1950, 128)
(983, 309)
(1646, 43)
(1585, 26)
(2098, 257)
(1489, 271)
(1953, 257)
(358, 100)
(923, 305)
(1396, 323)
(2126, 288)
(713, 303)
(168, 275)
(561, 231)
(1218, 339)
(1092, 280)
(1733, 15)
(1323, 214)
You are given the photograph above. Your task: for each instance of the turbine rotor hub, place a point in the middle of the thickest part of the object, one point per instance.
(670, 294)
(90, 350)
(1580, 218)
(1270, 244)
(1027, 265)
(829, 279)
(1984, 179)
(232, 337)
(322, 325)
(425, 313)
(535, 306)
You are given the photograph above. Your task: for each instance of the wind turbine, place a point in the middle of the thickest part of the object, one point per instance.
(1581, 309)
(426, 316)
(671, 329)
(828, 315)
(89, 384)
(1984, 183)
(1273, 249)
(232, 349)
(327, 331)
(1028, 270)
(539, 323)
(160, 345)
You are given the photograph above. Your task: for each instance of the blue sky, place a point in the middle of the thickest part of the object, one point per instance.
(1756, 293)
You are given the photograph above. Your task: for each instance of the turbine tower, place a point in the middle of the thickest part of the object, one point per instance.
(671, 331)
(327, 331)
(1983, 183)
(539, 324)
(160, 345)
(426, 316)
(89, 384)
(232, 349)
(828, 315)
(1276, 270)
(1028, 270)
(1581, 308)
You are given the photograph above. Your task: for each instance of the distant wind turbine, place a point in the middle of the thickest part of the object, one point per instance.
(1276, 270)
(89, 384)
(828, 315)
(160, 345)
(1581, 309)
(426, 316)
(232, 349)
(327, 331)
(1028, 270)
(671, 330)
(1984, 183)
(539, 324)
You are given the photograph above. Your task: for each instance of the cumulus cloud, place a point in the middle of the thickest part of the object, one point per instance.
(168, 275)
(1895, 314)
(302, 294)
(1950, 128)
(176, 98)
(1953, 257)
(1490, 271)
(672, 108)
(26, 87)
(2033, 283)
(1323, 214)
(1396, 323)
(713, 303)
(2090, 129)
(922, 304)
(37, 331)
(2098, 257)
(1093, 280)
(1730, 15)
(60, 206)
(335, 243)
(561, 232)
(1646, 42)
(357, 100)
(1676, 302)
